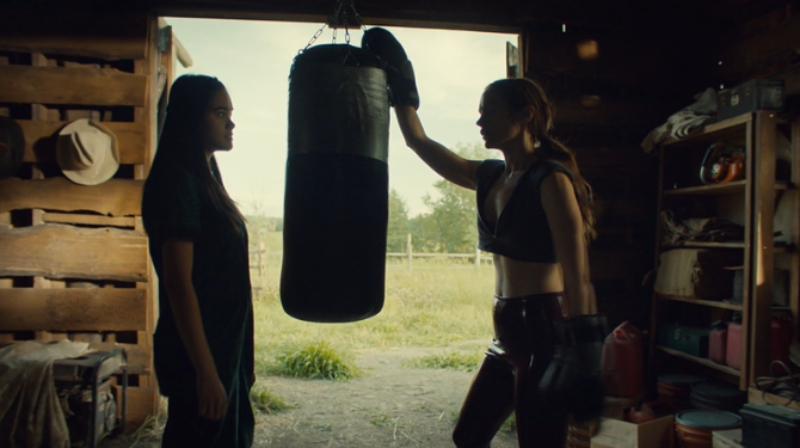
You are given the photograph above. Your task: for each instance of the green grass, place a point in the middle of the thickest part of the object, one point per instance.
(455, 360)
(315, 361)
(438, 304)
(266, 401)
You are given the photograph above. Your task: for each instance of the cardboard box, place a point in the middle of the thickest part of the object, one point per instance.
(612, 433)
(727, 438)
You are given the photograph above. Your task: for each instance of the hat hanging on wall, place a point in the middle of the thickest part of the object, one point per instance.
(12, 145)
(87, 152)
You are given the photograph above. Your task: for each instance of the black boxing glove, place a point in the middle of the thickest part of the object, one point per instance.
(573, 381)
(399, 71)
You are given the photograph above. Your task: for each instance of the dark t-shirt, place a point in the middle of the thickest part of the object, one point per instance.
(221, 279)
(522, 231)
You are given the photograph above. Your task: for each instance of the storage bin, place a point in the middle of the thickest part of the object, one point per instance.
(733, 350)
(717, 342)
(770, 426)
(694, 428)
(684, 338)
(753, 95)
(674, 389)
(715, 395)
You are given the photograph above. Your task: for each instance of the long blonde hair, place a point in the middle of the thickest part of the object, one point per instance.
(520, 93)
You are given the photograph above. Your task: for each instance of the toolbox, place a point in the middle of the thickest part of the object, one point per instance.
(770, 426)
(686, 339)
(757, 94)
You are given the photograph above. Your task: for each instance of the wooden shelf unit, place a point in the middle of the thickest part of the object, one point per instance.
(700, 361)
(710, 303)
(755, 196)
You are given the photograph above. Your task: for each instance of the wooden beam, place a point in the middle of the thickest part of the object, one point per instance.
(142, 403)
(138, 356)
(40, 140)
(116, 197)
(79, 86)
(92, 220)
(57, 251)
(96, 35)
(72, 309)
(607, 112)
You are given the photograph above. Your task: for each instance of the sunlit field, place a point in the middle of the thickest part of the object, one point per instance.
(441, 304)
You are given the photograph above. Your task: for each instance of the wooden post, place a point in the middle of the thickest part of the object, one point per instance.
(408, 251)
(477, 257)
(262, 269)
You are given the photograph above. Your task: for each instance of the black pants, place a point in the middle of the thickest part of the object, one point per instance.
(509, 376)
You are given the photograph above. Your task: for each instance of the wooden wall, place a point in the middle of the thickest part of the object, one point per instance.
(73, 259)
(611, 87)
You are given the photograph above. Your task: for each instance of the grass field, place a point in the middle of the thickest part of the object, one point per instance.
(439, 304)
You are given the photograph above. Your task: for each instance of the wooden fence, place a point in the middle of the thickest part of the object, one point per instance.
(260, 254)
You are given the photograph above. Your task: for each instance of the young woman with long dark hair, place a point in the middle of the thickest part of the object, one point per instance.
(203, 344)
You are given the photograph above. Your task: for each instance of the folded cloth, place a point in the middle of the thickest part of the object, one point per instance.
(682, 123)
(30, 409)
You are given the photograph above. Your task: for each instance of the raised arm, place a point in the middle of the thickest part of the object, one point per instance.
(566, 226)
(446, 163)
(405, 100)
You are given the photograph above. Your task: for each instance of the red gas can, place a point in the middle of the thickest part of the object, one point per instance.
(622, 364)
(718, 342)
(733, 351)
(781, 340)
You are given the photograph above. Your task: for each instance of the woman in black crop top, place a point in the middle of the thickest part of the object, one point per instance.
(534, 216)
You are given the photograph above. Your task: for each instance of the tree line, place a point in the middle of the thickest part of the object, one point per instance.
(449, 226)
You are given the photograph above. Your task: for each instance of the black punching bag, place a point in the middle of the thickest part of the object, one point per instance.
(337, 181)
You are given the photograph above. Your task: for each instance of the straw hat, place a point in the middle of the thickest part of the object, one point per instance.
(12, 146)
(87, 152)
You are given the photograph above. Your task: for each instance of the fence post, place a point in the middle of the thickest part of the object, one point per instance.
(262, 269)
(477, 257)
(408, 251)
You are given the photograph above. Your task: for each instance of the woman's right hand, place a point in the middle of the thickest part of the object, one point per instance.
(212, 401)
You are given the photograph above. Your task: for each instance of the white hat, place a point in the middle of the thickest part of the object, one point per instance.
(87, 152)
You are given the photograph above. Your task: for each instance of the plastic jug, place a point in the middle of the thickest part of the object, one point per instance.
(622, 364)
(718, 342)
(733, 351)
(781, 340)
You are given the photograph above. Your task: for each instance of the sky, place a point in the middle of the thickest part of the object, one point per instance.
(253, 58)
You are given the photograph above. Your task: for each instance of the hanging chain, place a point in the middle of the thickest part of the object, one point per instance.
(340, 13)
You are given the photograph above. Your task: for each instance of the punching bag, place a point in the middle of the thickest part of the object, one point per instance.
(337, 181)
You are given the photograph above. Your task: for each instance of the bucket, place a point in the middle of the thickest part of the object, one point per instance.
(674, 389)
(714, 395)
(694, 428)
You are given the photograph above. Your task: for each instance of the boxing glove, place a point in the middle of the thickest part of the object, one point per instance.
(399, 71)
(573, 380)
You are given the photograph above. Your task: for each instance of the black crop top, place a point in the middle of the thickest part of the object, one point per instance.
(522, 231)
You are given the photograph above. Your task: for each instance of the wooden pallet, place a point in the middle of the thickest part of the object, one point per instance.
(74, 261)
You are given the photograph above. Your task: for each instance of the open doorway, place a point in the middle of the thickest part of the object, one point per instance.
(417, 356)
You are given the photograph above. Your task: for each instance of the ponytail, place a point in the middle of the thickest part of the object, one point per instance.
(553, 149)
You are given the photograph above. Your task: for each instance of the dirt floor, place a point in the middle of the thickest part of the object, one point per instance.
(390, 406)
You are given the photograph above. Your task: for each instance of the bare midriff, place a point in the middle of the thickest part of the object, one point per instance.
(514, 278)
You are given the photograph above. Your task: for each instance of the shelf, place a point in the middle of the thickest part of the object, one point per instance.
(711, 303)
(706, 244)
(702, 361)
(730, 128)
(715, 189)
